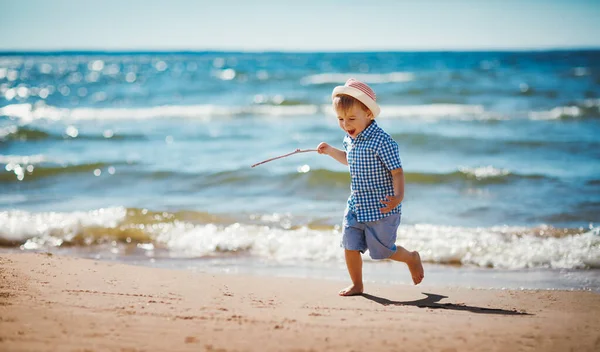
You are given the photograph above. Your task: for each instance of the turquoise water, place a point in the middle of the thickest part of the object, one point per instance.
(146, 156)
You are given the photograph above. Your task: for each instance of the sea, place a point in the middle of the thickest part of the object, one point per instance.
(145, 158)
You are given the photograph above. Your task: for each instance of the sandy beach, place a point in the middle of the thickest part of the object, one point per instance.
(53, 303)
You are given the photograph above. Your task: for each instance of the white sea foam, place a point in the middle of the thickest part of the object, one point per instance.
(28, 112)
(498, 247)
(52, 228)
(502, 247)
(556, 113)
(571, 111)
(22, 159)
(261, 241)
(484, 172)
(370, 78)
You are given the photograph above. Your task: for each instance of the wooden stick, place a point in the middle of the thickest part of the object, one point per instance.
(283, 156)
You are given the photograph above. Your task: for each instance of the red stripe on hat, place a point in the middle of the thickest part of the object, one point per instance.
(362, 87)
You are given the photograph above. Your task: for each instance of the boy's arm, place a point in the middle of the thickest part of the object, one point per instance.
(335, 153)
(392, 202)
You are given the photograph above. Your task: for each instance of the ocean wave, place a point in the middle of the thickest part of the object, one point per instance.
(29, 168)
(206, 235)
(371, 78)
(28, 112)
(481, 175)
(504, 246)
(22, 133)
(22, 159)
(436, 111)
(26, 133)
(53, 228)
(307, 178)
(83, 228)
(589, 108)
(472, 144)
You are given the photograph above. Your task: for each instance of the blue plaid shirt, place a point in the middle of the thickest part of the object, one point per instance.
(371, 156)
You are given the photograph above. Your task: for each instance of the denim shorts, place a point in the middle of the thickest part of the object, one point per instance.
(379, 237)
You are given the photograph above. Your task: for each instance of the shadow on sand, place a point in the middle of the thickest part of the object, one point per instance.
(432, 302)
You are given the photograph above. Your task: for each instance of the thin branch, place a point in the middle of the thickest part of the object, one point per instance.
(283, 156)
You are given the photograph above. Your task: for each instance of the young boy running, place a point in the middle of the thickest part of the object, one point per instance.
(374, 207)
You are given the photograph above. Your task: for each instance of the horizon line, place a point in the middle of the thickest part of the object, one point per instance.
(288, 51)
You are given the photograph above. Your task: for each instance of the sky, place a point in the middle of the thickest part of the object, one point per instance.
(301, 25)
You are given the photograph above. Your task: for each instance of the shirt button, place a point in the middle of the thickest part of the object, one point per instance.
(357, 205)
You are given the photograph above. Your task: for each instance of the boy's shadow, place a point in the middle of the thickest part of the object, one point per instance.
(432, 302)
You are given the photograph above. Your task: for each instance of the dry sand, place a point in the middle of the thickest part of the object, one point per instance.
(52, 303)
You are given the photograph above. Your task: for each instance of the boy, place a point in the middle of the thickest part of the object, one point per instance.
(373, 211)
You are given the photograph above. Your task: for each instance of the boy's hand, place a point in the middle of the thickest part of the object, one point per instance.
(323, 148)
(390, 203)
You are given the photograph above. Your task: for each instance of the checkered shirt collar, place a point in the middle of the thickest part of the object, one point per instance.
(368, 132)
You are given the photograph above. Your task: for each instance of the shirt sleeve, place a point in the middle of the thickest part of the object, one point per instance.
(389, 154)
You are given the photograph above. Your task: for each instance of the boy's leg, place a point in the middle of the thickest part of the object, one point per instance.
(381, 235)
(413, 260)
(354, 265)
(353, 242)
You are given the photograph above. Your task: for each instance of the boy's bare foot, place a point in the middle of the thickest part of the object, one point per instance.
(351, 290)
(416, 268)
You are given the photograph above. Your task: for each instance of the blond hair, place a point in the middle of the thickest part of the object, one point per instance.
(345, 103)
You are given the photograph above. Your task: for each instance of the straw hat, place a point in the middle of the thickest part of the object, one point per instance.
(361, 92)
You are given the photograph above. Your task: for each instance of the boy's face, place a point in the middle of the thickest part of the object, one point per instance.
(355, 120)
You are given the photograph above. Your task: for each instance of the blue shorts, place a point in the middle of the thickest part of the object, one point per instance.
(379, 237)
